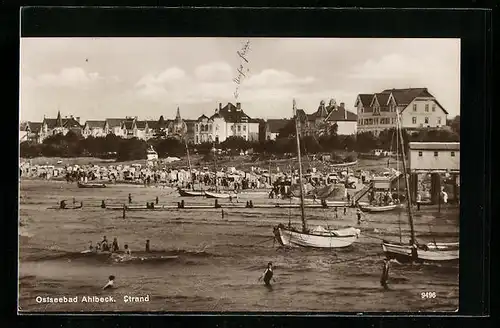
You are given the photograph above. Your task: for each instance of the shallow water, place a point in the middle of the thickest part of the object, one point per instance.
(204, 262)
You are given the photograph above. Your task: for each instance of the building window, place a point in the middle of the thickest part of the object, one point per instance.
(439, 120)
(433, 107)
(239, 128)
(452, 154)
(426, 120)
(426, 107)
(244, 128)
(435, 154)
(414, 120)
(419, 154)
(414, 107)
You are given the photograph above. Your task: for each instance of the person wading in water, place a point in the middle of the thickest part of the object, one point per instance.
(268, 275)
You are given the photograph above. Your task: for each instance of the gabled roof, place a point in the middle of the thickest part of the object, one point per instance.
(382, 98)
(66, 123)
(114, 122)
(71, 123)
(365, 98)
(233, 115)
(341, 114)
(95, 124)
(203, 116)
(35, 126)
(141, 125)
(301, 114)
(153, 124)
(406, 96)
(50, 122)
(128, 124)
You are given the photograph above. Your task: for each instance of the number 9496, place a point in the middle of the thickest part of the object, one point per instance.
(428, 295)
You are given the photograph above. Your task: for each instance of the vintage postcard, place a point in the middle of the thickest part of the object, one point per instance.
(235, 174)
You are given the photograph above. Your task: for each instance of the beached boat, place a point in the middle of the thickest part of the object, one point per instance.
(214, 194)
(190, 193)
(312, 238)
(91, 185)
(414, 251)
(377, 208)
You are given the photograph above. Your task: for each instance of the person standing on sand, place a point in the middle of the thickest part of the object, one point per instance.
(147, 246)
(130, 198)
(114, 247)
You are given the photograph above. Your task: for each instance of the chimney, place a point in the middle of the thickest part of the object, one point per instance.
(342, 105)
(238, 106)
(220, 106)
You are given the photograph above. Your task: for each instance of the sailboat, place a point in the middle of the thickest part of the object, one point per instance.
(216, 193)
(312, 238)
(190, 192)
(391, 205)
(414, 251)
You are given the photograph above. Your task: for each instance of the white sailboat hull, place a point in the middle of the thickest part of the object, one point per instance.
(374, 209)
(431, 252)
(328, 239)
(210, 194)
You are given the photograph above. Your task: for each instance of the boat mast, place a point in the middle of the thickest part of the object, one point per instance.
(303, 214)
(215, 168)
(189, 163)
(408, 200)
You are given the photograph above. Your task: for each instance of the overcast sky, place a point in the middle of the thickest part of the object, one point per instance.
(95, 78)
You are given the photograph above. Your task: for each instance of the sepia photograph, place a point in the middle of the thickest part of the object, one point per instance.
(218, 174)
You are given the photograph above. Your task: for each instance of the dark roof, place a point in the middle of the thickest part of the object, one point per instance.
(129, 124)
(153, 124)
(406, 96)
(301, 114)
(50, 122)
(255, 120)
(95, 124)
(35, 126)
(216, 115)
(140, 124)
(434, 145)
(382, 98)
(341, 114)
(233, 115)
(202, 117)
(365, 99)
(66, 122)
(71, 123)
(275, 125)
(114, 122)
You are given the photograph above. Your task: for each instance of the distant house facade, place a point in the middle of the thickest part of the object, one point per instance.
(115, 126)
(31, 131)
(228, 121)
(59, 125)
(325, 117)
(418, 109)
(96, 129)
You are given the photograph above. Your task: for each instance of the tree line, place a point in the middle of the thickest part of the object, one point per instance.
(111, 146)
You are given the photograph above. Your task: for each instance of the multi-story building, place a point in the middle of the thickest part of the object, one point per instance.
(30, 131)
(321, 121)
(115, 126)
(59, 125)
(228, 121)
(96, 129)
(418, 109)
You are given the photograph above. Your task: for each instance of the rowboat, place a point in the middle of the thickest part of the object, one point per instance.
(376, 209)
(91, 185)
